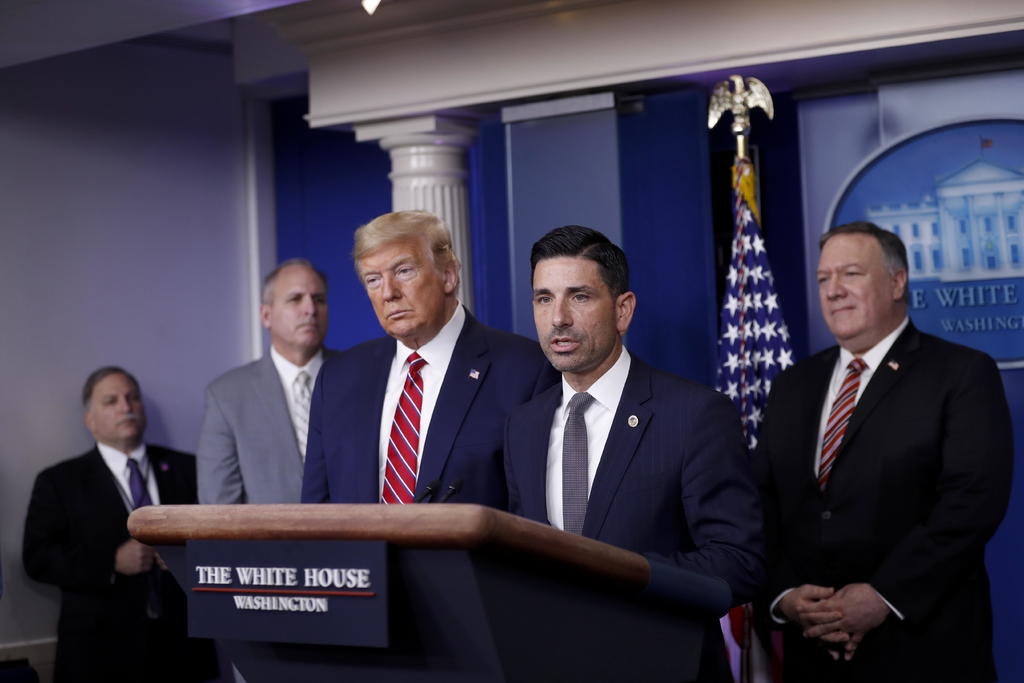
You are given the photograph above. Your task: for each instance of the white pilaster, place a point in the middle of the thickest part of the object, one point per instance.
(428, 173)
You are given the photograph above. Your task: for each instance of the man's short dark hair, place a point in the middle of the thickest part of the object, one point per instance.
(268, 281)
(893, 251)
(582, 242)
(96, 376)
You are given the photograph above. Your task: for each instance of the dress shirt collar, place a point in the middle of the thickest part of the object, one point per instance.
(288, 371)
(873, 356)
(115, 459)
(438, 351)
(607, 390)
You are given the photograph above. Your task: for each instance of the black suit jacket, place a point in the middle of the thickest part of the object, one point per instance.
(675, 485)
(920, 483)
(76, 521)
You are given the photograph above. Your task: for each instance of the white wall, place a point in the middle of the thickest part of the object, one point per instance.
(122, 241)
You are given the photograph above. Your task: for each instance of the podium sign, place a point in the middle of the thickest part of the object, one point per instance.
(289, 591)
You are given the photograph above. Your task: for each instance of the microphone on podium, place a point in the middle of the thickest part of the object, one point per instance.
(427, 491)
(453, 488)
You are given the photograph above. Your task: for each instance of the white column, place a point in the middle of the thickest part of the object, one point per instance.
(428, 173)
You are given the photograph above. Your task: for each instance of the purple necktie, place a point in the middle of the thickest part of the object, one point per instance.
(137, 483)
(140, 497)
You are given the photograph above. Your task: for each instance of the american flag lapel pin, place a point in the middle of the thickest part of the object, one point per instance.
(474, 374)
(894, 365)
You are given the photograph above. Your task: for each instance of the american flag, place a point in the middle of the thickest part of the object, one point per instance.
(753, 347)
(753, 344)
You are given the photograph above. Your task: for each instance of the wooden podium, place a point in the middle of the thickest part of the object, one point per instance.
(474, 594)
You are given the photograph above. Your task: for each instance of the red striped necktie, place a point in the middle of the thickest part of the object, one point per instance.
(838, 418)
(404, 442)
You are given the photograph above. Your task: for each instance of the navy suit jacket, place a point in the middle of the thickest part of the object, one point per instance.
(490, 373)
(676, 487)
(920, 483)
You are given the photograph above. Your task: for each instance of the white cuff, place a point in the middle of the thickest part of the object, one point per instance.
(775, 602)
(887, 603)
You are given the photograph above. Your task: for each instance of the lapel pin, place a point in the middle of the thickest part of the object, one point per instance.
(633, 421)
(164, 467)
(474, 374)
(894, 365)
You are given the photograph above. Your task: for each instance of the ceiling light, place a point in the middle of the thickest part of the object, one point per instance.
(370, 6)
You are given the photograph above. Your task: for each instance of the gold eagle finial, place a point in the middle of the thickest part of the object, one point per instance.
(744, 96)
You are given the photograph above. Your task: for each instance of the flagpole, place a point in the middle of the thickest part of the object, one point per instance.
(753, 345)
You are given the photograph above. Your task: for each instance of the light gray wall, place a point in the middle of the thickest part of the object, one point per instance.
(122, 240)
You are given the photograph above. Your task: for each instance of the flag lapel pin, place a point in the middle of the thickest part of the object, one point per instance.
(474, 374)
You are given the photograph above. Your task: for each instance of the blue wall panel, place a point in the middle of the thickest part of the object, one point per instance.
(327, 185)
(667, 233)
(561, 170)
(488, 226)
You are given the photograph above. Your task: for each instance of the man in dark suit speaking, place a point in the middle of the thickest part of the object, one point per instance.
(885, 465)
(122, 616)
(622, 452)
(428, 402)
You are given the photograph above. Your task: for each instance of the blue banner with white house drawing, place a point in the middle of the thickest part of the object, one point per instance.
(955, 196)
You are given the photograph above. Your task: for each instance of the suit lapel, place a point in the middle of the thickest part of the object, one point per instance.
(532, 467)
(621, 446)
(270, 393)
(467, 371)
(108, 498)
(890, 371)
(167, 479)
(365, 442)
(810, 417)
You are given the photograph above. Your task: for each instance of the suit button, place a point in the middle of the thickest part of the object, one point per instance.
(826, 515)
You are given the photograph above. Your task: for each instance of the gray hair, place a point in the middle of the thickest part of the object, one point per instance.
(268, 281)
(97, 376)
(894, 253)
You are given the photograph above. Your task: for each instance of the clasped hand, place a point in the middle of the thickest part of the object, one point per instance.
(839, 619)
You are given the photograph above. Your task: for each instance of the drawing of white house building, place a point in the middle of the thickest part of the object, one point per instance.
(970, 229)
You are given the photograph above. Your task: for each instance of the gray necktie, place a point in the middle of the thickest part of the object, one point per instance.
(301, 392)
(574, 464)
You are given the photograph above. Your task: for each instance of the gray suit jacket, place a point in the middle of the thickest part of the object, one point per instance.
(247, 449)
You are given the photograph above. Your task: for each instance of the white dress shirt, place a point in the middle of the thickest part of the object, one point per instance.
(288, 371)
(872, 359)
(607, 391)
(438, 354)
(117, 463)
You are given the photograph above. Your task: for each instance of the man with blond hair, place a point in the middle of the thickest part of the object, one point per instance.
(420, 413)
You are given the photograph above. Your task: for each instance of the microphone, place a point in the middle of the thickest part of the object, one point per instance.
(427, 491)
(453, 488)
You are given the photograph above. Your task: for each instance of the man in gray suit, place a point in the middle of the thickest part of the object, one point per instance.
(253, 439)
